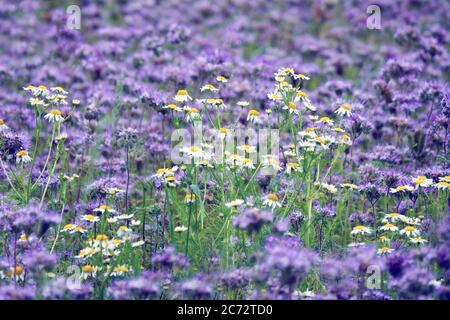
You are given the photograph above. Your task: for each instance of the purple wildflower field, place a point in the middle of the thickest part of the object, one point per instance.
(226, 150)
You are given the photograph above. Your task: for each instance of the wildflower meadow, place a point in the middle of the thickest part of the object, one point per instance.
(224, 150)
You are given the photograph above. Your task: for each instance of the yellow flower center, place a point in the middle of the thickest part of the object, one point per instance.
(22, 153)
(253, 113)
(121, 269)
(87, 268)
(410, 229)
(346, 107)
(272, 197)
(102, 237)
(393, 214)
(182, 93)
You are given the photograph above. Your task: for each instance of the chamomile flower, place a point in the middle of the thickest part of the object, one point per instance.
(39, 90)
(243, 104)
(410, 231)
(340, 130)
(30, 88)
(384, 250)
(182, 96)
(68, 227)
(270, 161)
(76, 102)
(234, 203)
(164, 172)
(189, 198)
(445, 179)
(442, 185)
(233, 159)
(171, 181)
(290, 152)
(413, 221)
(59, 90)
(292, 166)
(17, 272)
(300, 76)
(291, 107)
(124, 231)
(247, 163)
(357, 244)
(137, 244)
(180, 229)
(328, 187)
(120, 270)
(173, 107)
(192, 114)
(88, 271)
(221, 79)
(384, 239)
(246, 148)
(193, 152)
(274, 96)
(326, 120)
(114, 191)
(304, 99)
(36, 102)
(135, 223)
(389, 227)
(125, 216)
(208, 87)
(393, 217)
(361, 230)
(223, 132)
(54, 115)
(23, 157)
(253, 116)
(417, 240)
(79, 229)
(104, 208)
(112, 220)
(401, 189)
(271, 200)
(23, 238)
(90, 218)
(349, 186)
(344, 110)
(216, 102)
(422, 181)
(3, 125)
(87, 253)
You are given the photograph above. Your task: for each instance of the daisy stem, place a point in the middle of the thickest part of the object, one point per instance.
(189, 229)
(51, 173)
(37, 133)
(59, 227)
(8, 178)
(50, 147)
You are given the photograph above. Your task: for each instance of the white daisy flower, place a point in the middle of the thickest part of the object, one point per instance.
(271, 200)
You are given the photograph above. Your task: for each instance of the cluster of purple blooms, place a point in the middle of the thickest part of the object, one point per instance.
(125, 62)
